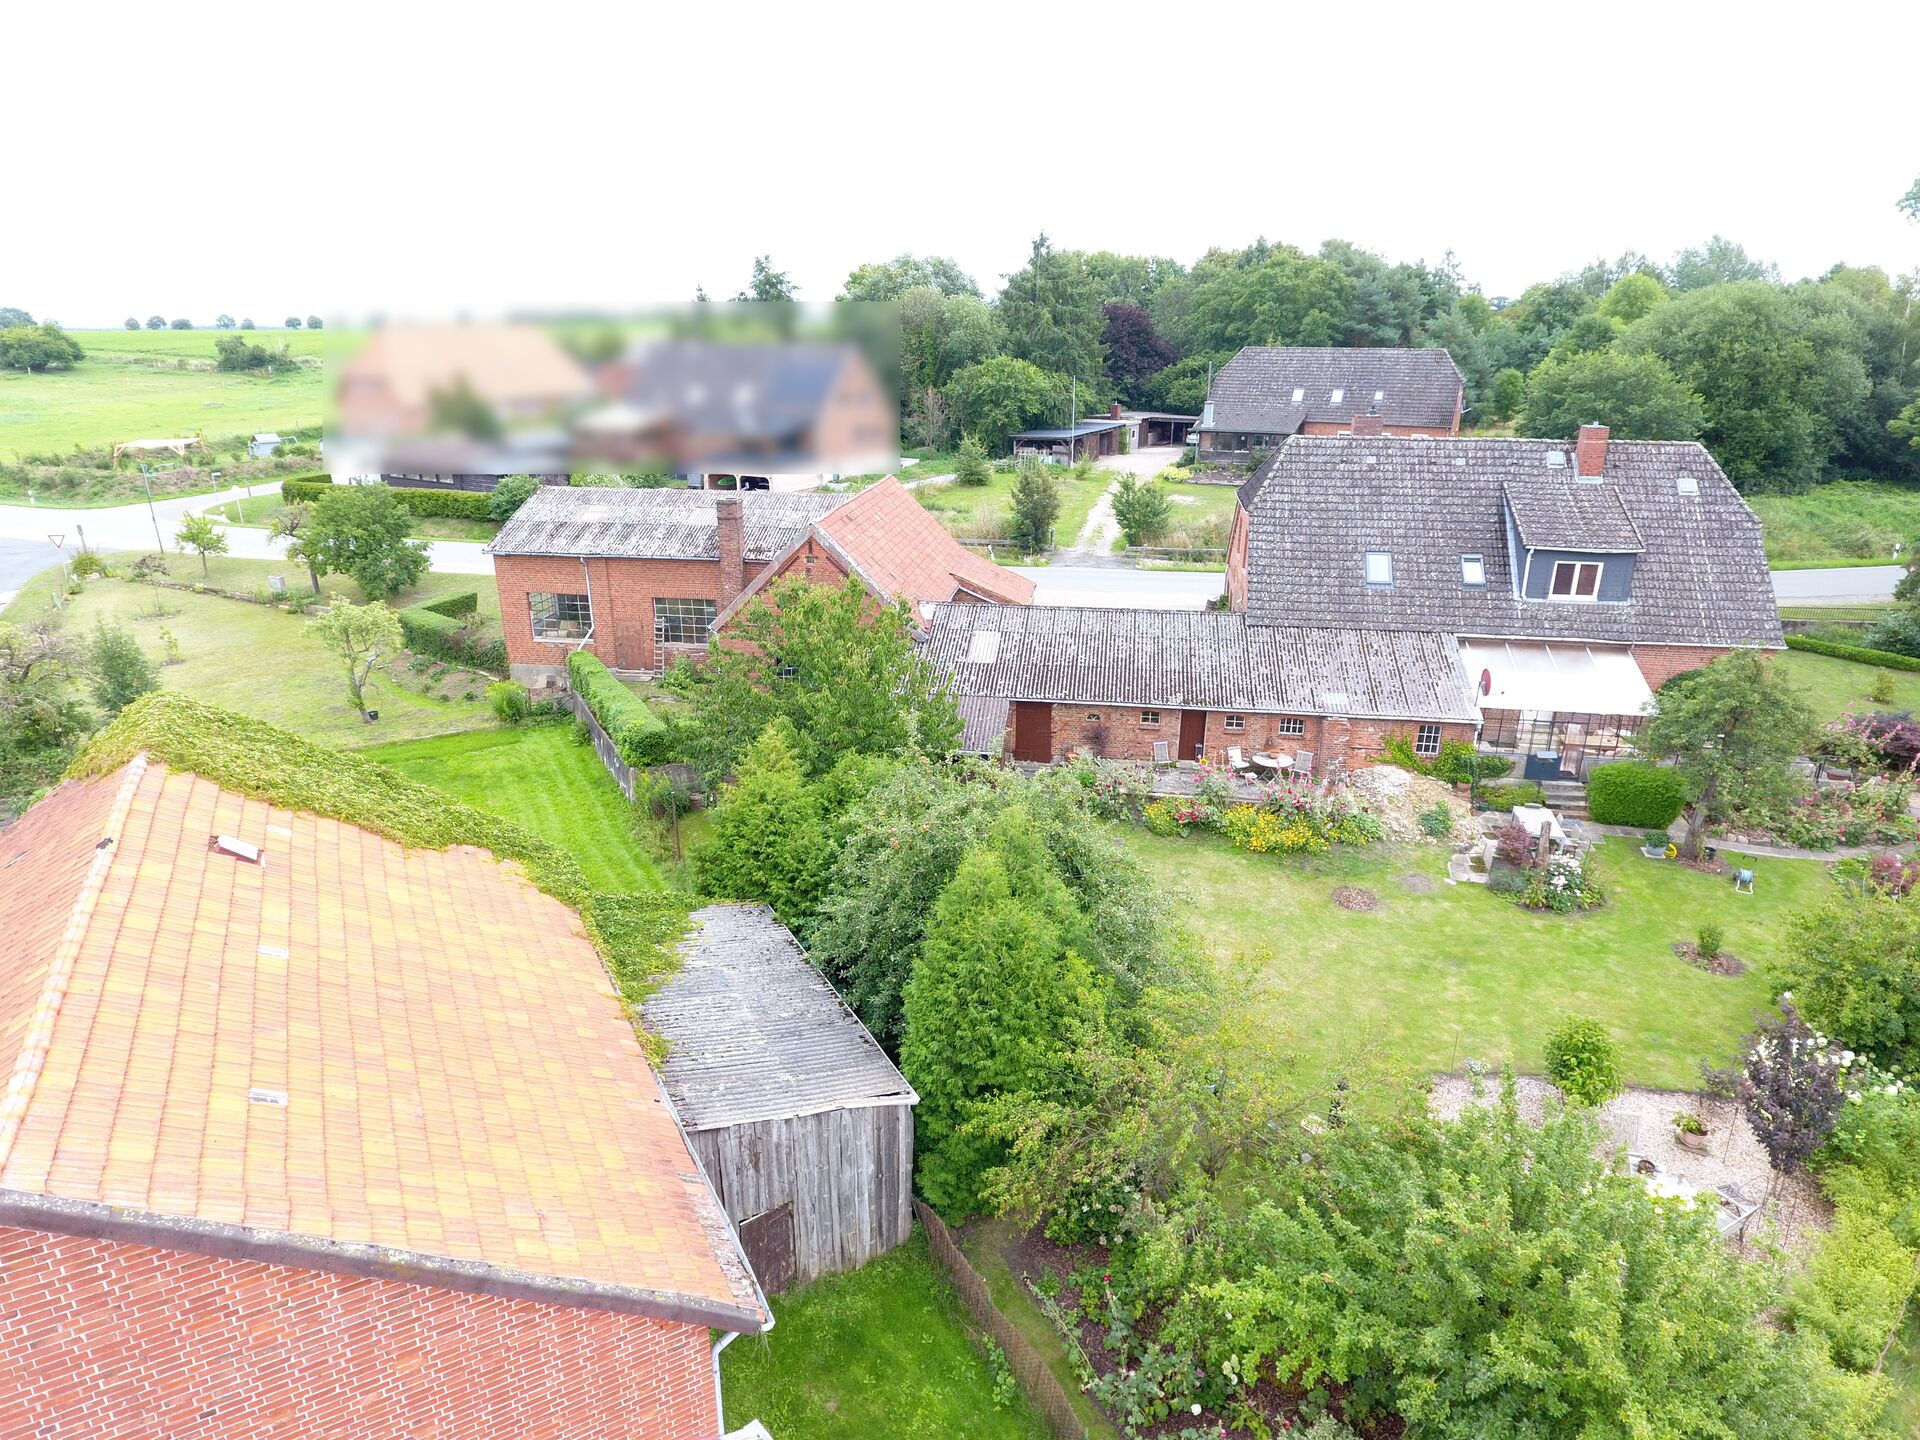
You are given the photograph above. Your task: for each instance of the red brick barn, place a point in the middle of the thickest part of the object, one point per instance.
(308, 1134)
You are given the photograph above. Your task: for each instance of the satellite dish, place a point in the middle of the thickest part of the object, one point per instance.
(1486, 682)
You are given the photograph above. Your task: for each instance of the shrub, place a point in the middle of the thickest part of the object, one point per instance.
(1507, 882)
(970, 466)
(1583, 1061)
(1437, 822)
(1633, 792)
(1709, 939)
(509, 495)
(508, 699)
(448, 629)
(1854, 1289)
(305, 487)
(1515, 845)
(1885, 658)
(1565, 887)
(88, 563)
(121, 674)
(1505, 794)
(1882, 691)
(457, 504)
(640, 736)
(1142, 510)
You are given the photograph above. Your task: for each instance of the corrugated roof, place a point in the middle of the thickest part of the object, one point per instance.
(1254, 390)
(1322, 503)
(1071, 432)
(667, 524)
(754, 1032)
(1197, 659)
(348, 1044)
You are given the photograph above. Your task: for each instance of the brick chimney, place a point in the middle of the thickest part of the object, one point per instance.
(730, 539)
(1113, 411)
(1590, 451)
(1368, 425)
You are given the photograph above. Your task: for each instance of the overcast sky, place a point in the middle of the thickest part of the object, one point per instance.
(261, 160)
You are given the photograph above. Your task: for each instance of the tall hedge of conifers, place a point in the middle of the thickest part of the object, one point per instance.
(640, 736)
(1632, 792)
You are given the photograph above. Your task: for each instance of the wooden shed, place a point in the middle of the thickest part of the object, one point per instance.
(803, 1124)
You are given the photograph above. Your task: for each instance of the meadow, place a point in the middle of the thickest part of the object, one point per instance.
(1840, 523)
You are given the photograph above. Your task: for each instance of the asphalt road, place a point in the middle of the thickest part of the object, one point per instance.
(1859, 585)
(1144, 589)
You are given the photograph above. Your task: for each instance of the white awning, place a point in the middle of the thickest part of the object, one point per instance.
(1564, 679)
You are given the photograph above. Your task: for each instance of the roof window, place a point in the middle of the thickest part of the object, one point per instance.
(983, 647)
(1686, 485)
(1380, 567)
(1299, 393)
(1473, 570)
(1336, 397)
(1334, 700)
(236, 847)
(1556, 459)
(1378, 396)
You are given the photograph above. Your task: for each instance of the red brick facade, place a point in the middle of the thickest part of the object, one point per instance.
(112, 1341)
(1118, 733)
(1660, 663)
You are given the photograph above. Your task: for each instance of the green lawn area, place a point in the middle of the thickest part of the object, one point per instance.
(1834, 685)
(986, 511)
(549, 781)
(1201, 518)
(260, 661)
(1460, 973)
(885, 1350)
(1837, 522)
(1903, 1368)
(260, 511)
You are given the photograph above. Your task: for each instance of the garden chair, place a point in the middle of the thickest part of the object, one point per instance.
(1302, 763)
(1162, 755)
(1237, 761)
(1743, 882)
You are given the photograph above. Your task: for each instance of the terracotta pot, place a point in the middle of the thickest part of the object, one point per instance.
(1690, 1140)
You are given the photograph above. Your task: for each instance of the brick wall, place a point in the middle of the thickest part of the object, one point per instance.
(110, 1341)
(1116, 733)
(1660, 663)
(623, 595)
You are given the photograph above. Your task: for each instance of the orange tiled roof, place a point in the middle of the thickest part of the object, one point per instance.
(459, 1080)
(505, 364)
(908, 555)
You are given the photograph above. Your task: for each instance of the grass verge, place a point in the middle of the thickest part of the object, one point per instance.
(1841, 522)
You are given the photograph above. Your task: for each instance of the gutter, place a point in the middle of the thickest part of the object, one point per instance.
(719, 1402)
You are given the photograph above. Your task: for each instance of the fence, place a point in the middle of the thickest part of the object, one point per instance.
(623, 773)
(1041, 1385)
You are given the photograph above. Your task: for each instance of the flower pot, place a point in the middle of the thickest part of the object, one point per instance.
(1653, 854)
(1690, 1140)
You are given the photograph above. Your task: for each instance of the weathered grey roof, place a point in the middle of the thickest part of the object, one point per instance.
(983, 724)
(765, 392)
(1584, 515)
(672, 524)
(1196, 659)
(1070, 432)
(1700, 579)
(754, 1032)
(1254, 390)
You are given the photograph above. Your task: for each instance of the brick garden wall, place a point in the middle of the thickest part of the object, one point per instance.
(110, 1341)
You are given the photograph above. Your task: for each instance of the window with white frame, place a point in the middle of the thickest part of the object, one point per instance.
(1336, 397)
(1236, 722)
(682, 622)
(560, 617)
(1149, 717)
(1575, 580)
(1299, 393)
(1379, 567)
(1292, 725)
(1473, 570)
(1426, 740)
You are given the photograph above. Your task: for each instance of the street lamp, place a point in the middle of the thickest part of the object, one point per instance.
(159, 544)
(59, 543)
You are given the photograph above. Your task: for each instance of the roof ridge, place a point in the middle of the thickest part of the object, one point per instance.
(38, 1037)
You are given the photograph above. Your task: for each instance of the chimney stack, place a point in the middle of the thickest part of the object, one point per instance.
(1368, 425)
(730, 539)
(1113, 411)
(1590, 451)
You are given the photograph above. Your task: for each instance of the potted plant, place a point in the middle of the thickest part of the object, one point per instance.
(1653, 844)
(1688, 1130)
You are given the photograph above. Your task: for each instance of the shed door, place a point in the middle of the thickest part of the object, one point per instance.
(1033, 731)
(768, 1240)
(1193, 733)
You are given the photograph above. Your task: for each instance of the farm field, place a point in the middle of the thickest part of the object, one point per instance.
(1438, 975)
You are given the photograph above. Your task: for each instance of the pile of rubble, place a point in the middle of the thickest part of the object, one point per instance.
(1397, 798)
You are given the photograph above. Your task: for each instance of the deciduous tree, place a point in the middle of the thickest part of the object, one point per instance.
(1636, 396)
(362, 531)
(1036, 506)
(120, 673)
(1003, 394)
(198, 533)
(360, 635)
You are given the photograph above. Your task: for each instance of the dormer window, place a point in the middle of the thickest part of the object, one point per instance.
(1299, 393)
(1380, 568)
(1336, 397)
(1473, 570)
(1575, 580)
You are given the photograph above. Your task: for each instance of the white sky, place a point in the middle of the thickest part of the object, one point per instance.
(193, 159)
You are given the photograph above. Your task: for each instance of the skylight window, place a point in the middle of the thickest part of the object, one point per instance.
(1299, 394)
(1473, 570)
(1336, 397)
(236, 847)
(1686, 485)
(1378, 396)
(1556, 459)
(983, 647)
(1379, 567)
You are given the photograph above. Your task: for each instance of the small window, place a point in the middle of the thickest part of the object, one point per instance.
(1426, 740)
(1473, 570)
(1378, 396)
(1093, 717)
(682, 622)
(1379, 567)
(1686, 485)
(1292, 725)
(983, 647)
(560, 617)
(1236, 722)
(1149, 717)
(1299, 394)
(1576, 580)
(1336, 397)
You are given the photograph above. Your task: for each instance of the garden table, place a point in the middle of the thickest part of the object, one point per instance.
(1276, 762)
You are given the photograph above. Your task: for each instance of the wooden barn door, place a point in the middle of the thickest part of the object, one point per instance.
(768, 1240)
(1193, 733)
(1033, 731)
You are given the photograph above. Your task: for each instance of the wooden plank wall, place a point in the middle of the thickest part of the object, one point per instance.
(848, 1173)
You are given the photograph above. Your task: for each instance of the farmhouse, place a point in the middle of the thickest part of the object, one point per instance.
(1267, 393)
(641, 577)
(1116, 683)
(800, 1120)
(305, 1132)
(1576, 577)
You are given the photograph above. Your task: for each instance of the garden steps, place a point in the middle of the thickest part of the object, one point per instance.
(1565, 797)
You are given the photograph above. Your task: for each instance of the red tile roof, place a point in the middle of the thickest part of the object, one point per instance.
(907, 554)
(350, 1044)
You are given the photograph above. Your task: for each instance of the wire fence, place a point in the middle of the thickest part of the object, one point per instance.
(1041, 1385)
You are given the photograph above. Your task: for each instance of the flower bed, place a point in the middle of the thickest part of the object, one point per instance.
(1874, 813)
(1286, 817)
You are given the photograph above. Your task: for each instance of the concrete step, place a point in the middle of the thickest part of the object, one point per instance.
(1569, 797)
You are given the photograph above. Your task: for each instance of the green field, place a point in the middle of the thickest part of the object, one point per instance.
(1835, 686)
(126, 389)
(1455, 973)
(986, 511)
(885, 1351)
(1201, 516)
(260, 661)
(1839, 522)
(261, 508)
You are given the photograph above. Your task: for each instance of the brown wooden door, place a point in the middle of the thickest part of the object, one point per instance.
(767, 1239)
(1193, 733)
(1032, 731)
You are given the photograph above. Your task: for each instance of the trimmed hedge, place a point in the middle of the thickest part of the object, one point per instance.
(1632, 792)
(1505, 794)
(305, 487)
(640, 736)
(1860, 653)
(459, 504)
(445, 628)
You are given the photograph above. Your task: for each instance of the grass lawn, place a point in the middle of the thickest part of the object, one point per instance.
(1837, 522)
(883, 1351)
(1457, 972)
(261, 661)
(1201, 518)
(260, 511)
(986, 511)
(550, 782)
(1903, 1368)
(1834, 685)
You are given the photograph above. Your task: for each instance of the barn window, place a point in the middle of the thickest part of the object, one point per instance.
(1426, 740)
(1149, 717)
(682, 622)
(1236, 722)
(560, 617)
(1292, 725)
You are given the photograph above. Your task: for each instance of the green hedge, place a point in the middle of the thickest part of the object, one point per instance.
(447, 630)
(1632, 792)
(640, 736)
(1860, 653)
(305, 487)
(459, 504)
(1505, 794)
